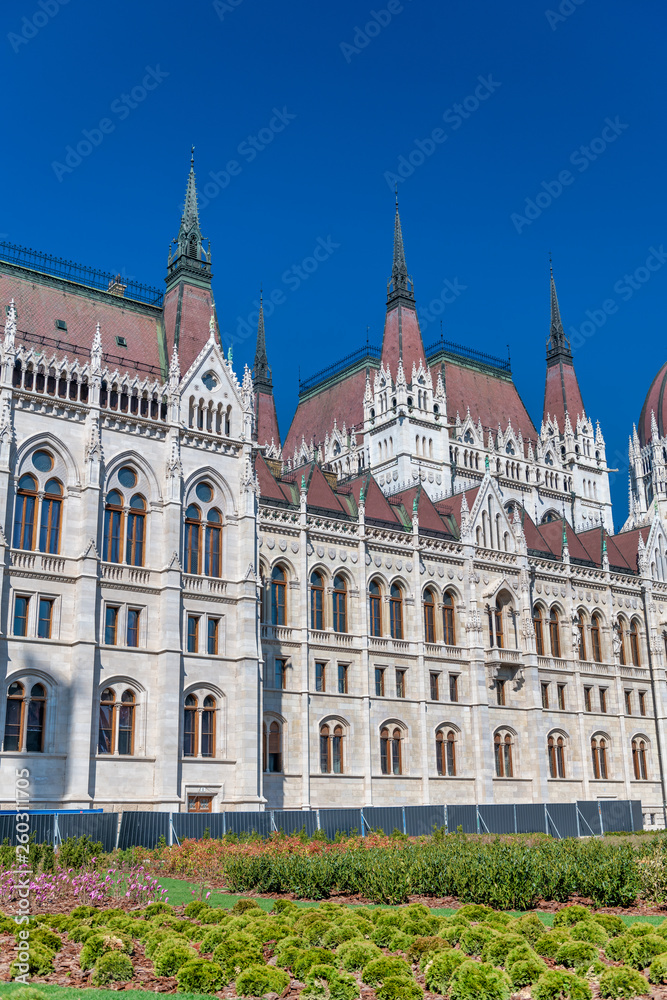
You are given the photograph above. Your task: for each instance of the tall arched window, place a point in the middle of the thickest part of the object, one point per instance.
(25, 718)
(14, 717)
(445, 753)
(208, 727)
(391, 756)
(538, 625)
(192, 539)
(429, 616)
(634, 643)
(595, 638)
(136, 531)
(113, 527)
(554, 632)
(49, 528)
(272, 740)
(116, 722)
(190, 726)
(639, 759)
(199, 730)
(375, 608)
(581, 626)
(105, 742)
(25, 517)
(502, 748)
(316, 601)
(126, 723)
(599, 756)
(396, 611)
(498, 622)
(213, 552)
(33, 488)
(339, 604)
(556, 755)
(621, 639)
(331, 749)
(448, 622)
(278, 596)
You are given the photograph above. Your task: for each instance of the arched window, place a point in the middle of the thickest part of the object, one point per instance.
(556, 755)
(538, 625)
(639, 759)
(599, 756)
(190, 726)
(25, 718)
(116, 722)
(339, 604)
(49, 528)
(448, 623)
(445, 753)
(278, 596)
(199, 731)
(316, 601)
(208, 727)
(272, 745)
(192, 539)
(502, 748)
(621, 640)
(136, 529)
(375, 608)
(396, 611)
(113, 527)
(105, 742)
(391, 756)
(634, 643)
(331, 749)
(14, 717)
(26, 507)
(213, 552)
(429, 616)
(126, 723)
(498, 622)
(595, 638)
(554, 632)
(581, 626)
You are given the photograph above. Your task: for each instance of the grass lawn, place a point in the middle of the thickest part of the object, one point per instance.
(67, 992)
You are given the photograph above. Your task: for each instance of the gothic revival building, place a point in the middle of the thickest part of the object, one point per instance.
(417, 598)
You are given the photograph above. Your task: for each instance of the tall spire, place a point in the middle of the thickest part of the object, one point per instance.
(190, 255)
(261, 371)
(400, 284)
(558, 344)
(190, 215)
(562, 395)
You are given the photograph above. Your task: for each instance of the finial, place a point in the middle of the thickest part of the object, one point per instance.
(361, 496)
(192, 157)
(564, 533)
(229, 355)
(303, 483)
(415, 505)
(487, 464)
(604, 544)
(211, 327)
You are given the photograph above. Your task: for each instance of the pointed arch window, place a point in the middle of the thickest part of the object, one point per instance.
(136, 530)
(25, 718)
(599, 756)
(396, 611)
(213, 553)
(49, 529)
(634, 643)
(208, 727)
(498, 621)
(445, 753)
(339, 604)
(556, 755)
(639, 759)
(272, 745)
(331, 749)
(192, 539)
(581, 626)
(502, 748)
(595, 639)
(621, 638)
(316, 601)
(26, 508)
(554, 632)
(429, 616)
(105, 742)
(391, 756)
(278, 596)
(14, 717)
(190, 726)
(126, 723)
(538, 625)
(113, 527)
(375, 608)
(448, 622)
(116, 722)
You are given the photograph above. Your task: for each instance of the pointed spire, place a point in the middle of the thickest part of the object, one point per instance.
(400, 283)
(174, 369)
(10, 327)
(557, 338)
(96, 351)
(261, 370)
(190, 254)
(190, 209)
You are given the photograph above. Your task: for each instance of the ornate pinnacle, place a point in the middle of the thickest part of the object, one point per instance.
(415, 506)
(96, 351)
(487, 464)
(229, 356)
(303, 483)
(361, 497)
(10, 326)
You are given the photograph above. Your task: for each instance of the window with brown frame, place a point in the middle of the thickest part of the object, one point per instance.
(213, 547)
(603, 700)
(273, 747)
(498, 623)
(391, 757)
(628, 702)
(453, 687)
(435, 686)
(502, 748)
(212, 637)
(599, 757)
(316, 602)
(278, 596)
(595, 638)
(561, 696)
(379, 682)
(208, 727)
(538, 626)
(26, 511)
(588, 700)
(111, 625)
(14, 717)
(445, 753)
(639, 759)
(320, 676)
(280, 674)
(500, 691)
(49, 527)
(554, 632)
(342, 678)
(331, 749)
(136, 531)
(21, 608)
(634, 643)
(375, 608)
(545, 695)
(116, 723)
(193, 539)
(429, 616)
(396, 611)
(126, 723)
(200, 803)
(190, 712)
(400, 683)
(621, 636)
(448, 621)
(339, 600)
(556, 755)
(133, 622)
(193, 634)
(642, 702)
(25, 718)
(105, 742)
(113, 527)
(581, 625)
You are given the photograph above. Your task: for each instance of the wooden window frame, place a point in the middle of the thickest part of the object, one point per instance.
(554, 633)
(274, 737)
(320, 676)
(642, 703)
(133, 627)
(332, 759)
(379, 676)
(342, 678)
(627, 700)
(560, 691)
(339, 604)
(26, 499)
(191, 716)
(429, 616)
(581, 625)
(603, 701)
(501, 697)
(596, 643)
(50, 520)
(391, 751)
(454, 687)
(126, 708)
(599, 758)
(396, 611)
(21, 618)
(635, 651)
(375, 610)
(114, 515)
(445, 753)
(212, 636)
(193, 553)
(504, 756)
(317, 602)
(192, 636)
(401, 686)
(207, 717)
(278, 596)
(639, 761)
(556, 755)
(109, 704)
(544, 687)
(20, 699)
(448, 620)
(538, 626)
(135, 542)
(213, 545)
(588, 698)
(434, 685)
(280, 674)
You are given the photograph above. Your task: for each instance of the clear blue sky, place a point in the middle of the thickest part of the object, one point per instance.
(351, 104)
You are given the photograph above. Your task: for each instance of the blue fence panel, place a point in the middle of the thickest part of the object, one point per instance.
(249, 822)
(530, 818)
(496, 819)
(589, 819)
(421, 821)
(462, 816)
(616, 816)
(192, 826)
(562, 819)
(295, 820)
(143, 829)
(385, 818)
(96, 826)
(345, 821)
(637, 815)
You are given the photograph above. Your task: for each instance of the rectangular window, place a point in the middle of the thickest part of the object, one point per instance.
(379, 682)
(603, 700)
(400, 683)
(628, 702)
(642, 702)
(21, 605)
(320, 676)
(133, 618)
(111, 625)
(200, 803)
(342, 678)
(279, 674)
(561, 697)
(500, 692)
(45, 618)
(588, 702)
(435, 687)
(545, 695)
(213, 636)
(193, 633)
(453, 687)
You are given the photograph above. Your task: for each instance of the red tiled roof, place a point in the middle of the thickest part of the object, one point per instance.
(187, 314)
(492, 399)
(402, 337)
(626, 543)
(267, 419)
(268, 487)
(314, 417)
(451, 506)
(654, 402)
(561, 392)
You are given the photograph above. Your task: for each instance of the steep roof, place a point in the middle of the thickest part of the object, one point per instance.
(314, 417)
(654, 403)
(491, 396)
(561, 390)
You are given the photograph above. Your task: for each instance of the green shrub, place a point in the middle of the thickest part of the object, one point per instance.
(154, 908)
(385, 928)
(154, 941)
(201, 976)
(381, 968)
(479, 981)
(658, 970)
(285, 907)
(422, 946)
(639, 929)
(212, 939)
(590, 931)
(616, 948)
(611, 923)
(453, 932)
(643, 950)
(286, 950)
(346, 931)
(397, 988)
(526, 971)
(354, 955)
(497, 949)
(98, 944)
(310, 957)
(102, 917)
(571, 915)
(195, 908)
(79, 932)
(474, 911)
(499, 921)
(324, 982)
(257, 980)
(577, 954)
(234, 944)
(40, 962)
(50, 939)
(268, 929)
(211, 916)
(59, 921)
(112, 967)
(548, 944)
(622, 984)
(243, 905)
(81, 912)
(473, 940)
(440, 970)
(561, 986)
(170, 957)
(135, 928)
(420, 924)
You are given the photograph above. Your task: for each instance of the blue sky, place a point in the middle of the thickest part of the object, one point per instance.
(318, 106)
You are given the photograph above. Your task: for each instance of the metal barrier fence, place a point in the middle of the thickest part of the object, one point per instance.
(147, 829)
